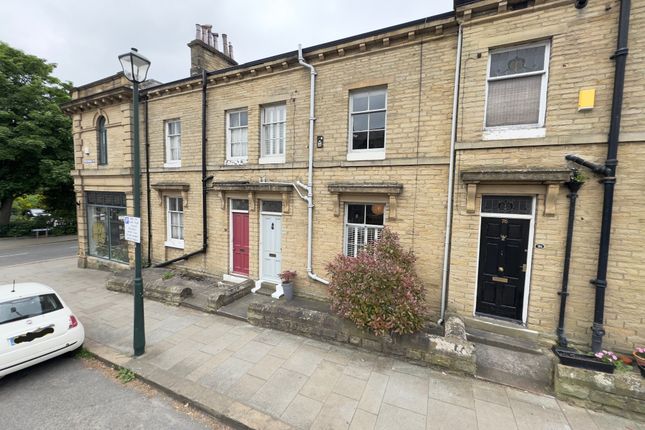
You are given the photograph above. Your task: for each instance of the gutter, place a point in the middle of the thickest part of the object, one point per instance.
(205, 179)
(310, 172)
(608, 170)
(451, 180)
(148, 203)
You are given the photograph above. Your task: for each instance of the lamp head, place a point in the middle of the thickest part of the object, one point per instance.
(135, 66)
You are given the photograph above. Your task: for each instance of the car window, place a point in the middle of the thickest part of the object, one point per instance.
(27, 307)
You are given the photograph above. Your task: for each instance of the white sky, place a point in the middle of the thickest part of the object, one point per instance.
(84, 37)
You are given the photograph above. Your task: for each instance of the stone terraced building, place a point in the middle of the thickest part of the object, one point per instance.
(493, 94)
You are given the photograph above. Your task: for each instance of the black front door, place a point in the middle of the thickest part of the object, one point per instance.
(503, 250)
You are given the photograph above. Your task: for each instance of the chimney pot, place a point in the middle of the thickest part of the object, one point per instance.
(230, 50)
(198, 32)
(225, 44)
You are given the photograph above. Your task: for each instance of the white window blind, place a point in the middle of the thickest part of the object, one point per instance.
(517, 80)
(363, 224)
(273, 131)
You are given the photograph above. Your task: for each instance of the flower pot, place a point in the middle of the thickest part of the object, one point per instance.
(287, 288)
(582, 361)
(640, 360)
(626, 359)
(642, 369)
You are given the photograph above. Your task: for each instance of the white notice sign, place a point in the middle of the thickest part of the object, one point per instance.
(132, 229)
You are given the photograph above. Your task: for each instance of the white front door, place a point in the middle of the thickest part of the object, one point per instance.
(271, 248)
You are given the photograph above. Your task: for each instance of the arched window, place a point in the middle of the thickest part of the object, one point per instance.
(102, 140)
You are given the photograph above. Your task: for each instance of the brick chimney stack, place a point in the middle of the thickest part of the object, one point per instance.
(204, 52)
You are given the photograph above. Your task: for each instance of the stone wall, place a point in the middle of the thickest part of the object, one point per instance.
(429, 347)
(170, 291)
(621, 393)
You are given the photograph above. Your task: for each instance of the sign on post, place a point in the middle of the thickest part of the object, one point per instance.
(132, 228)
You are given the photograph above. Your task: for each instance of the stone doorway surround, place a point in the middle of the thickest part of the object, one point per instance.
(515, 181)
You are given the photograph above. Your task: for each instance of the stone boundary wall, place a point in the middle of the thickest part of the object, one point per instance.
(451, 351)
(621, 393)
(228, 294)
(170, 291)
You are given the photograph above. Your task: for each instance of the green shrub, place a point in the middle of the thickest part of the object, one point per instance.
(23, 226)
(379, 288)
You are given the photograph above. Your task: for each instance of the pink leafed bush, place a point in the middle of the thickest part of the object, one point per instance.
(379, 288)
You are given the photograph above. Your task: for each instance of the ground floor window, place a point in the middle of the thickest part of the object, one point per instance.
(363, 224)
(106, 231)
(175, 222)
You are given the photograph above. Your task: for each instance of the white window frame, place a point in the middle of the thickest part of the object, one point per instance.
(272, 158)
(172, 242)
(365, 154)
(347, 225)
(169, 162)
(519, 131)
(229, 150)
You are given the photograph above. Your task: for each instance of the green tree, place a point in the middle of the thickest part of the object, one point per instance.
(36, 149)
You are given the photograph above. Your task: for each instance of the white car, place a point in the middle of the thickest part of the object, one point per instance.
(35, 325)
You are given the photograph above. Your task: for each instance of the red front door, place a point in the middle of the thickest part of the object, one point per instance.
(241, 243)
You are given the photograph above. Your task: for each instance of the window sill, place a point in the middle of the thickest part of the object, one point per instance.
(507, 133)
(174, 243)
(272, 160)
(172, 164)
(366, 155)
(235, 161)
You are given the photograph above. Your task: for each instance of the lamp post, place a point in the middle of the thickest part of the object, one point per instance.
(135, 68)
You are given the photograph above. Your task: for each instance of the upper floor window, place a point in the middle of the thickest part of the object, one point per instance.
(173, 143)
(367, 111)
(237, 135)
(273, 130)
(363, 224)
(516, 93)
(175, 222)
(101, 134)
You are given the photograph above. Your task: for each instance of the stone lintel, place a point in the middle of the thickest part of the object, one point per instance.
(551, 178)
(391, 190)
(251, 188)
(169, 187)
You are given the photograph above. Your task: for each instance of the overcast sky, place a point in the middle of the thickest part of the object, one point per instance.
(84, 37)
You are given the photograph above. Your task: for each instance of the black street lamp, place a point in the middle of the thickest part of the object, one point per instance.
(135, 68)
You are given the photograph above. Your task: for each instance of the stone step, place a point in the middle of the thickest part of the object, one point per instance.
(238, 309)
(266, 288)
(525, 370)
(501, 327)
(502, 341)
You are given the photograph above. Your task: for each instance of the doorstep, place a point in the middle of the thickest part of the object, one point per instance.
(501, 327)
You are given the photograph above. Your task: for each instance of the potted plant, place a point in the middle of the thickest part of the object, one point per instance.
(600, 362)
(639, 356)
(287, 283)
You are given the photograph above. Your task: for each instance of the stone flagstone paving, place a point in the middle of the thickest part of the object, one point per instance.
(301, 383)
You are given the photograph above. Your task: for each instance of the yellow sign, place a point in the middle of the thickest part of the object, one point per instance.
(586, 99)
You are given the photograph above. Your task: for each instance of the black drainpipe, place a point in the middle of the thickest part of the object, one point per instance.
(205, 180)
(609, 172)
(147, 146)
(573, 186)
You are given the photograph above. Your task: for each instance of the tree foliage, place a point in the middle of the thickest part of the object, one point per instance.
(36, 149)
(379, 288)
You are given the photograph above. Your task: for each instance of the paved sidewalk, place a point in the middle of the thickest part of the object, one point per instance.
(268, 379)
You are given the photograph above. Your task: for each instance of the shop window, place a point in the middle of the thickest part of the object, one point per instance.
(106, 230)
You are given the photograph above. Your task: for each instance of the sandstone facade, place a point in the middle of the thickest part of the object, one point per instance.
(415, 64)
